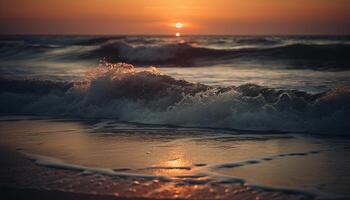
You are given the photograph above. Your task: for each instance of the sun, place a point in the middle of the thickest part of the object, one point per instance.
(177, 34)
(179, 25)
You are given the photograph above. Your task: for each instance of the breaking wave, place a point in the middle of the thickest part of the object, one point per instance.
(121, 92)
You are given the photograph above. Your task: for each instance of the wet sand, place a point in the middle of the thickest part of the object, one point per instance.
(21, 178)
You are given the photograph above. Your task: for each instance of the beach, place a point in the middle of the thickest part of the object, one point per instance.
(44, 156)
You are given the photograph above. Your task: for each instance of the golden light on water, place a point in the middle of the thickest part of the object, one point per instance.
(174, 160)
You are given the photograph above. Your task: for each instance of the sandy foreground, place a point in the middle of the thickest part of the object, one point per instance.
(21, 178)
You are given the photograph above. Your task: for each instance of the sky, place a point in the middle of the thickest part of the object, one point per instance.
(205, 17)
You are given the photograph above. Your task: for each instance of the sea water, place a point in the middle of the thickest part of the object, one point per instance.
(268, 111)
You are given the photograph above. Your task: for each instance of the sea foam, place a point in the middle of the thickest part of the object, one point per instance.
(119, 91)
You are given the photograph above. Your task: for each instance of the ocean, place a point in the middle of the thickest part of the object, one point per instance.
(268, 111)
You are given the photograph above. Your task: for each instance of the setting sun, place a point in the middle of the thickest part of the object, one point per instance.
(220, 17)
(177, 34)
(178, 25)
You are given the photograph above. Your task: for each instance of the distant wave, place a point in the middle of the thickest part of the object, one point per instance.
(23, 50)
(303, 53)
(329, 56)
(258, 40)
(97, 40)
(120, 92)
(178, 54)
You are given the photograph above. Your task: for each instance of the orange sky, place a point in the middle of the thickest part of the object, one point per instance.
(158, 16)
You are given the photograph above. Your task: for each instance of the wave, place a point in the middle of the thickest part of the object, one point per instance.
(118, 91)
(23, 50)
(168, 54)
(327, 56)
(259, 41)
(98, 40)
(301, 52)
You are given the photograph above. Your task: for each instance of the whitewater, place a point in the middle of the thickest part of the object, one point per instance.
(118, 91)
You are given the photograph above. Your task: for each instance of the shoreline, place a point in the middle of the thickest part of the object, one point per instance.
(22, 178)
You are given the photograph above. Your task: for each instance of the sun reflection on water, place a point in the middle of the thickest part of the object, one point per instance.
(174, 163)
